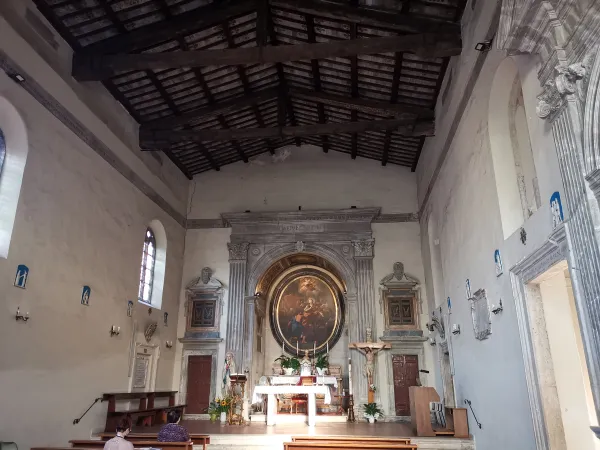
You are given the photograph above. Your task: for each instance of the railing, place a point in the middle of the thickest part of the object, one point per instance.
(468, 402)
(76, 421)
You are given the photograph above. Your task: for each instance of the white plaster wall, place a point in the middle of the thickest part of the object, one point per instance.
(79, 222)
(313, 180)
(464, 206)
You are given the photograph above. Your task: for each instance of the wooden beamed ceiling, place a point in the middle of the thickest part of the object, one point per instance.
(215, 82)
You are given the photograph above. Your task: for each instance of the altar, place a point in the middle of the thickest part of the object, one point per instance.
(311, 391)
(330, 382)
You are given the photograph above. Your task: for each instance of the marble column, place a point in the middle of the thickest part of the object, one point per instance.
(363, 255)
(250, 321)
(238, 257)
(562, 107)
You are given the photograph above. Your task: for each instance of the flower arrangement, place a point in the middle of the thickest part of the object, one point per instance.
(288, 362)
(372, 412)
(219, 405)
(372, 388)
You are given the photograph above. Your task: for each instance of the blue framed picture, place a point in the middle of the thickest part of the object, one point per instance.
(556, 208)
(21, 276)
(85, 295)
(498, 263)
(129, 308)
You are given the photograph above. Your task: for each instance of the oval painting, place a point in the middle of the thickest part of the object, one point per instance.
(307, 312)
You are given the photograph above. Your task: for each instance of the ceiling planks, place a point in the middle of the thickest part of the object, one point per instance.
(212, 82)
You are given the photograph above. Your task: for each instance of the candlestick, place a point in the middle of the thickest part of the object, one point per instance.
(296, 348)
(327, 348)
(282, 350)
(315, 348)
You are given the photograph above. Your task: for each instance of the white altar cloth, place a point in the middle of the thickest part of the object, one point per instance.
(294, 380)
(310, 391)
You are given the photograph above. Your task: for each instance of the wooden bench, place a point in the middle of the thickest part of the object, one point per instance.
(96, 444)
(333, 445)
(352, 439)
(197, 439)
(147, 413)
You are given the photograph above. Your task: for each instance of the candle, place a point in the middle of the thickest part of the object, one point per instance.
(314, 348)
(282, 349)
(296, 348)
(327, 347)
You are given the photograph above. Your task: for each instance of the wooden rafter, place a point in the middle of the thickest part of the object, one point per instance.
(316, 73)
(393, 100)
(369, 16)
(354, 84)
(151, 139)
(88, 67)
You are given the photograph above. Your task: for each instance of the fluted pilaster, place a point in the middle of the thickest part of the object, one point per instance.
(238, 256)
(365, 309)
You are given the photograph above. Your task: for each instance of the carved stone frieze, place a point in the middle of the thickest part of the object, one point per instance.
(363, 248)
(569, 80)
(238, 251)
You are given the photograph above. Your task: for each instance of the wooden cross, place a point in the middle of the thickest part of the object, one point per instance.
(370, 349)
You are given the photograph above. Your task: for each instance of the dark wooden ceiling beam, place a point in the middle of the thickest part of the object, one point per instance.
(262, 22)
(226, 130)
(369, 16)
(177, 26)
(214, 109)
(245, 84)
(316, 75)
(287, 101)
(152, 139)
(363, 105)
(393, 99)
(89, 67)
(354, 85)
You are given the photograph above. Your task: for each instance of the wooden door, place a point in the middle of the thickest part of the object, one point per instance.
(198, 384)
(406, 372)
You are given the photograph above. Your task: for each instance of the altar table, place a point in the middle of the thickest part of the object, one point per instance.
(310, 391)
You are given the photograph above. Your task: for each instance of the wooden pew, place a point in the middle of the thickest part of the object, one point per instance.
(146, 414)
(314, 445)
(197, 439)
(97, 444)
(352, 439)
(456, 418)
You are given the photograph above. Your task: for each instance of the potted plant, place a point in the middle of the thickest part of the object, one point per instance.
(213, 410)
(289, 364)
(322, 364)
(372, 412)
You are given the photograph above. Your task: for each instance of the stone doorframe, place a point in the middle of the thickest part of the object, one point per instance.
(193, 350)
(342, 237)
(400, 347)
(553, 251)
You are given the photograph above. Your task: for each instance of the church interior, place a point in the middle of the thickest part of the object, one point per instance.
(300, 224)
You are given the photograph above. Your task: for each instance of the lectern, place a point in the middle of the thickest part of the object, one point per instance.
(238, 389)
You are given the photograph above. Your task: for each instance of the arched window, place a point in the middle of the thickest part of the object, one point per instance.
(147, 269)
(2, 150)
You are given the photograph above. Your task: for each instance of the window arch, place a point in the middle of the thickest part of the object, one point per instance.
(147, 268)
(13, 156)
(152, 267)
(512, 156)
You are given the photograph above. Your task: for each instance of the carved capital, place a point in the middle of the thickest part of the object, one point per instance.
(568, 80)
(238, 252)
(364, 248)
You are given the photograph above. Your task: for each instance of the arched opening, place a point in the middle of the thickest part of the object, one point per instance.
(512, 157)
(153, 265)
(15, 149)
(302, 310)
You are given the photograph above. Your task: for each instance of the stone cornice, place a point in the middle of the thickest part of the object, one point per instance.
(364, 215)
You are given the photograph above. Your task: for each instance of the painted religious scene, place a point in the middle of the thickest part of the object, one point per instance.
(307, 312)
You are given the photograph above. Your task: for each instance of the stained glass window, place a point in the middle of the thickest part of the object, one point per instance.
(147, 269)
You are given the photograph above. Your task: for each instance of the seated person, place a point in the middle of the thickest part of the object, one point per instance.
(119, 442)
(172, 431)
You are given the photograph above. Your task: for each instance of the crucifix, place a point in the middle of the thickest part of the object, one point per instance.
(370, 349)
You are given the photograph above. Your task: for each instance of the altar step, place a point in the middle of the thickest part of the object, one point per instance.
(275, 442)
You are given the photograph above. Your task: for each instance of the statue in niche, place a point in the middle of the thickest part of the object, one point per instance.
(206, 275)
(228, 370)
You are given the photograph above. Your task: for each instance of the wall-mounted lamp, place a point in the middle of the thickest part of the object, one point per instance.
(484, 46)
(432, 341)
(455, 328)
(115, 330)
(169, 344)
(20, 316)
(497, 309)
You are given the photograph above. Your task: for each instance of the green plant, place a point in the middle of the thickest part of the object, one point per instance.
(288, 362)
(372, 410)
(219, 405)
(322, 362)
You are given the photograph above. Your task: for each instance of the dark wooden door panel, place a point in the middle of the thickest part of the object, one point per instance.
(406, 372)
(199, 382)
